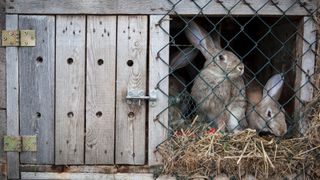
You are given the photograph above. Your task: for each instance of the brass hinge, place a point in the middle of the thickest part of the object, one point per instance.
(20, 143)
(19, 38)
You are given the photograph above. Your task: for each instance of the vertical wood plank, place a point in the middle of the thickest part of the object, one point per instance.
(308, 58)
(131, 74)
(100, 93)
(70, 89)
(307, 68)
(158, 70)
(12, 69)
(36, 77)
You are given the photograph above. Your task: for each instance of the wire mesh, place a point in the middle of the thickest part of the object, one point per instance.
(232, 72)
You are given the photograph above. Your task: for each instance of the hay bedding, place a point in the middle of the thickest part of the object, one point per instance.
(198, 151)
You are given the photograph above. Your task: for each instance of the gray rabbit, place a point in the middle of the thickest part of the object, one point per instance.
(219, 88)
(264, 113)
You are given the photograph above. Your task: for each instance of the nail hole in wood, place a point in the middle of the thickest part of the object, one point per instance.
(131, 114)
(39, 59)
(99, 114)
(70, 114)
(38, 115)
(70, 60)
(100, 62)
(130, 63)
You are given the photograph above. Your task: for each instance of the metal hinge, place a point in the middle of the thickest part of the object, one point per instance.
(18, 38)
(20, 143)
(136, 96)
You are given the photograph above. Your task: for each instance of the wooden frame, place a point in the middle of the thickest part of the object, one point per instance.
(159, 7)
(156, 9)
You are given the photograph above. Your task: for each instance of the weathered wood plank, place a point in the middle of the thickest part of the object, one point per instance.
(158, 70)
(36, 73)
(100, 94)
(93, 176)
(2, 60)
(12, 66)
(3, 119)
(131, 74)
(307, 66)
(70, 79)
(211, 7)
(3, 159)
(308, 59)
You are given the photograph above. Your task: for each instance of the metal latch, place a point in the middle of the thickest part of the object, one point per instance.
(135, 96)
(19, 38)
(20, 143)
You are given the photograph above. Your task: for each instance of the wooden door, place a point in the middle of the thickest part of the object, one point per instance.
(70, 89)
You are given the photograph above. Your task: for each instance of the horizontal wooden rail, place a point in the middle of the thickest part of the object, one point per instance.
(184, 7)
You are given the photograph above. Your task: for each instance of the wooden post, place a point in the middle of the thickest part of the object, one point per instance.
(158, 70)
(12, 66)
(308, 66)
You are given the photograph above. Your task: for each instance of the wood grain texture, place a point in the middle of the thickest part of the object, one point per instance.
(93, 176)
(100, 93)
(131, 119)
(70, 89)
(308, 59)
(158, 70)
(2, 60)
(307, 68)
(265, 7)
(36, 77)
(12, 68)
(3, 119)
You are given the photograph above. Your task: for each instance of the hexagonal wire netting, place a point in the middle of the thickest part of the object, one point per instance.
(232, 72)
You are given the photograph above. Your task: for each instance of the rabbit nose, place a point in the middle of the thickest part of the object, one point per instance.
(240, 68)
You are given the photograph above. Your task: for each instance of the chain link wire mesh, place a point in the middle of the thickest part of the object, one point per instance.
(231, 72)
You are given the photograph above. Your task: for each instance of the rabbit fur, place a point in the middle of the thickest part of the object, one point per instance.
(219, 88)
(264, 113)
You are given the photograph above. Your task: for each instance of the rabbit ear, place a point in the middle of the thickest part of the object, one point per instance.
(273, 87)
(201, 39)
(216, 37)
(183, 58)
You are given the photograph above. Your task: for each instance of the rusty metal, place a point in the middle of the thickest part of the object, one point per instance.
(10, 38)
(12, 143)
(20, 143)
(13, 38)
(27, 38)
(29, 143)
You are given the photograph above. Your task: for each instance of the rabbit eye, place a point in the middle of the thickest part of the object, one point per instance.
(221, 58)
(269, 114)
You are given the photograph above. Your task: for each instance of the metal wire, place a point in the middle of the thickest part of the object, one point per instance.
(184, 104)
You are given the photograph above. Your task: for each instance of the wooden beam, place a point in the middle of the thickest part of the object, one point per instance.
(12, 64)
(93, 176)
(186, 7)
(158, 79)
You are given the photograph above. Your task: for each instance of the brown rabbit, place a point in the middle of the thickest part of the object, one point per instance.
(219, 88)
(264, 113)
(177, 88)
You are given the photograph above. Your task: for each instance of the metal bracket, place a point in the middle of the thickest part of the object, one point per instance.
(135, 96)
(19, 38)
(20, 143)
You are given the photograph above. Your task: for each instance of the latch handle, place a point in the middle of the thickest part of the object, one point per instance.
(135, 96)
